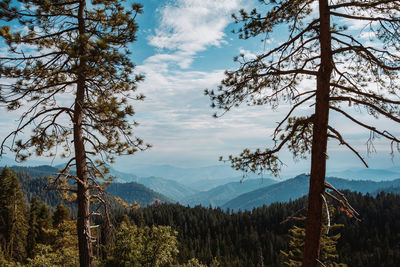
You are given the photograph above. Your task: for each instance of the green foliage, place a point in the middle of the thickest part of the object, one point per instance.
(13, 225)
(34, 229)
(148, 246)
(329, 254)
(59, 249)
(133, 192)
(238, 238)
(60, 53)
(80, 49)
(60, 215)
(5, 263)
(193, 263)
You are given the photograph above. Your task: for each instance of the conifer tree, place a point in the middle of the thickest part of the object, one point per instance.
(143, 246)
(44, 222)
(68, 68)
(60, 215)
(34, 230)
(329, 240)
(349, 75)
(60, 249)
(13, 226)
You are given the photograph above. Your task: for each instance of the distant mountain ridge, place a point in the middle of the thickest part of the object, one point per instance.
(133, 192)
(223, 193)
(200, 178)
(367, 174)
(169, 188)
(33, 182)
(297, 187)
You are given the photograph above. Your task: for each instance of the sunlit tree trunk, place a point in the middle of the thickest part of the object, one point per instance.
(83, 196)
(319, 143)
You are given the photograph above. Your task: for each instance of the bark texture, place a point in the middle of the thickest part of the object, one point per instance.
(319, 142)
(83, 195)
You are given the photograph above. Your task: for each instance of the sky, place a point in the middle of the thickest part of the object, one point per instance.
(183, 47)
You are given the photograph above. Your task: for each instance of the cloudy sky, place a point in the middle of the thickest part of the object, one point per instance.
(183, 47)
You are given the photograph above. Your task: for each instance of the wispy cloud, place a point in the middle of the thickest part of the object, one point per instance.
(191, 26)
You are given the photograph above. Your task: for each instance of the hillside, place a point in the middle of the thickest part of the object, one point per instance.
(37, 171)
(34, 180)
(131, 192)
(223, 193)
(238, 238)
(298, 187)
(367, 174)
(169, 188)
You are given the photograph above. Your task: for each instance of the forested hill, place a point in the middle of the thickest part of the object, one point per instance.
(37, 171)
(297, 187)
(131, 192)
(255, 238)
(219, 195)
(34, 180)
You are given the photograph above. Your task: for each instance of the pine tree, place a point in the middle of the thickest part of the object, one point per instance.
(329, 254)
(60, 215)
(346, 70)
(143, 246)
(34, 229)
(13, 226)
(44, 222)
(59, 249)
(76, 50)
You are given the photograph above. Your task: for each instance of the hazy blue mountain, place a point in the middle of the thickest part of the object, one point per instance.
(122, 177)
(298, 187)
(391, 189)
(131, 192)
(223, 193)
(367, 174)
(169, 188)
(35, 179)
(37, 171)
(184, 174)
(6, 161)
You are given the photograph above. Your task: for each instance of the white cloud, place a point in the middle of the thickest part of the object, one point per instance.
(191, 26)
(247, 54)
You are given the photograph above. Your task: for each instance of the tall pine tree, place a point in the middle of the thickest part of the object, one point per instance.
(68, 65)
(13, 225)
(34, 229)
(349, 75)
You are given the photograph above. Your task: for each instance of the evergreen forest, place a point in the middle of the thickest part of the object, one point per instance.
(41, 231)
(311, 75)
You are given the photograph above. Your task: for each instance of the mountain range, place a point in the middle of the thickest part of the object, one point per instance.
(212, 186)
(33, 181)
(367, 174)
(223, 193)
(297, 187)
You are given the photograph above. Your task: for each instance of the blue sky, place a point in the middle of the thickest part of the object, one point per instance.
(183, 47)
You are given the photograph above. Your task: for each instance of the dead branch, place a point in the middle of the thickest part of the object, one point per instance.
(339, 137)
(295, 217)
(342, 201)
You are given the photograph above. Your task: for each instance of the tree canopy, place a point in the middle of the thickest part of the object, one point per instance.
(350, 75)
(68, 71)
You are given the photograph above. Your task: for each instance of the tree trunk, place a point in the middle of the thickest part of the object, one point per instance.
(83, 196)
(319, 143)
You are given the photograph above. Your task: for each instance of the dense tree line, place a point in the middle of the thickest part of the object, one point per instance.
(250, 238)
(32, 232)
